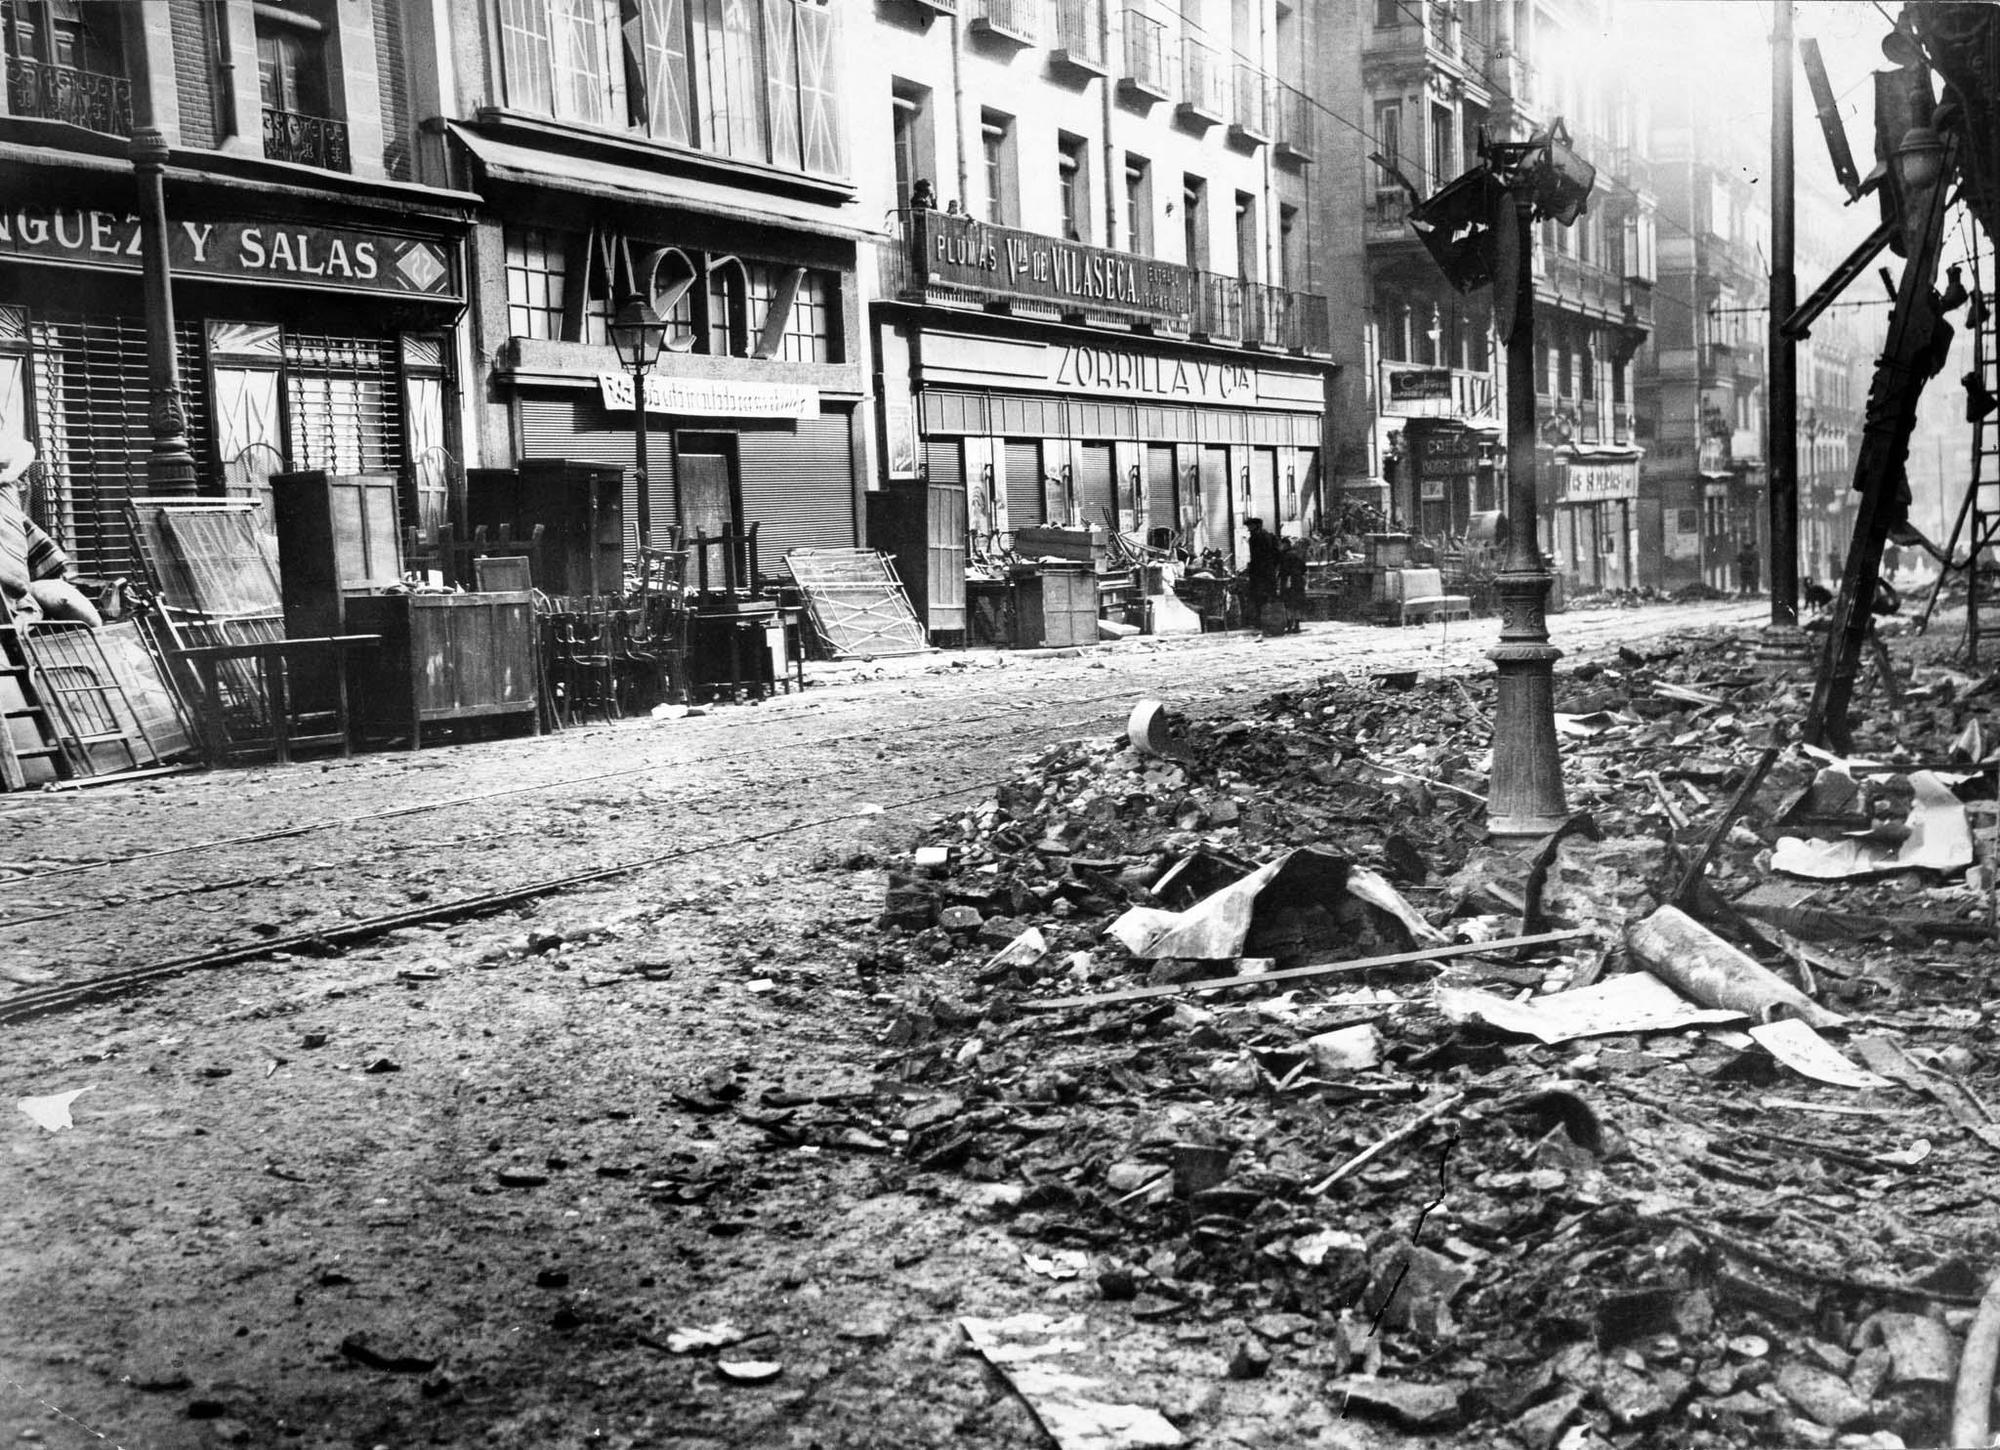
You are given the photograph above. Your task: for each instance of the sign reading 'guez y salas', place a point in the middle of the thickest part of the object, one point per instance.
(346, 258)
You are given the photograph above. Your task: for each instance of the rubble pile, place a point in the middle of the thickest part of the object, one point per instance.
(1536, 1196)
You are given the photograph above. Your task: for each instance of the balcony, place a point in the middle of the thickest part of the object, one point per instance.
(1385, 217)
(89, 99)
(1295, 123)
(1146, 75)
(1250, 118)
(1580, 286)
(935, 259)
(1718, 363)
(1080, 36)
(937, 7)
(1639, 302)
(1203, 84)
(1228, 309)
(1009, 20)
(305, 140)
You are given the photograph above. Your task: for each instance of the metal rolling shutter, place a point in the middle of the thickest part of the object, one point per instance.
(798, 486)
(1093, 484)
(343, 404)
(944, 461)
(569, 425)
(1025, 496)
(1160, 509)
(92, 391)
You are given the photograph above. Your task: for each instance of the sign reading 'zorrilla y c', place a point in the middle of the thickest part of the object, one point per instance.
(957, 251)
(288, 253)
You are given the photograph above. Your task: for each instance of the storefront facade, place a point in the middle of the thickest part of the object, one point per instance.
(1044, 419)
(755, 405)
(1448, 448)
(315, 329)
(1594, 535)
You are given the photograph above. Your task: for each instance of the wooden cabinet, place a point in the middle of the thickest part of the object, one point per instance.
(922, 527)
(581, 509)
(444, 657)
(336, 539)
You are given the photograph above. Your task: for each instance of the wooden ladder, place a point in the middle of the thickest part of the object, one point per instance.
(85, 695)
(21, 699)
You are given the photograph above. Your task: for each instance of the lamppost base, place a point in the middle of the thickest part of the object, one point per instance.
(1526, 800)
(1785, 650)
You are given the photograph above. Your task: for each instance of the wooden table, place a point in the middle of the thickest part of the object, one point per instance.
(274, 659)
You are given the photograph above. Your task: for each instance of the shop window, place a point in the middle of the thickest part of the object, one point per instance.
(341, 406)
(728, 309)
(535, 273)
(66, 62)
(809, 334)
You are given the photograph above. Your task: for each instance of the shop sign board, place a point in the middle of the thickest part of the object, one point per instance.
(711, 398)
(1412, 391)
(958, 251)
(1419, 385)
(1580, 482)
(348, 259)
(1076, 368)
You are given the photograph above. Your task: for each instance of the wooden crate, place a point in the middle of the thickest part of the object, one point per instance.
(444, 657)
(1056, 607)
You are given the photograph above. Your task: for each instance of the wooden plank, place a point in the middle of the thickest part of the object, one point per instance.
(1293, 974)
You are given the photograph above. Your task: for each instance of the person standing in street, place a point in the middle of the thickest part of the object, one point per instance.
(1261, 578)
(1746, 568)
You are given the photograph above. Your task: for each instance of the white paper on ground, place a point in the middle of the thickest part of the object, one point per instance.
(1632, 1002)
(1940, 839)
(52, 1112)
(1805, 1052)
(1066, 1403)
(1214, 928)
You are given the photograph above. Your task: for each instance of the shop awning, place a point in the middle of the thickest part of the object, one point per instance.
(504, 161)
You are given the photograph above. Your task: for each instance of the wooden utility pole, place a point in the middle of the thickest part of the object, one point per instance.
(1905, 365)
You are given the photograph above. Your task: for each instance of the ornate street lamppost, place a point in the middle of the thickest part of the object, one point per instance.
(638, 333)
(1478, 229)
(170, 466)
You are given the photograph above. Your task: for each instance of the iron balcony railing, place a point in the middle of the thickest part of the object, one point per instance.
(307, 140)
(1386, 216)
(1252, 114)
(1146, 53)
(1015, 18)
(1202, 80)
(1294, 120)
(90, 99)
(1583, 284)
(1639, 301)
(1080, 31)
(1230, 309)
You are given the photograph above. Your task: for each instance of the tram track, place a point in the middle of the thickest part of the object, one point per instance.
(930, 727)
(33, 1002)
